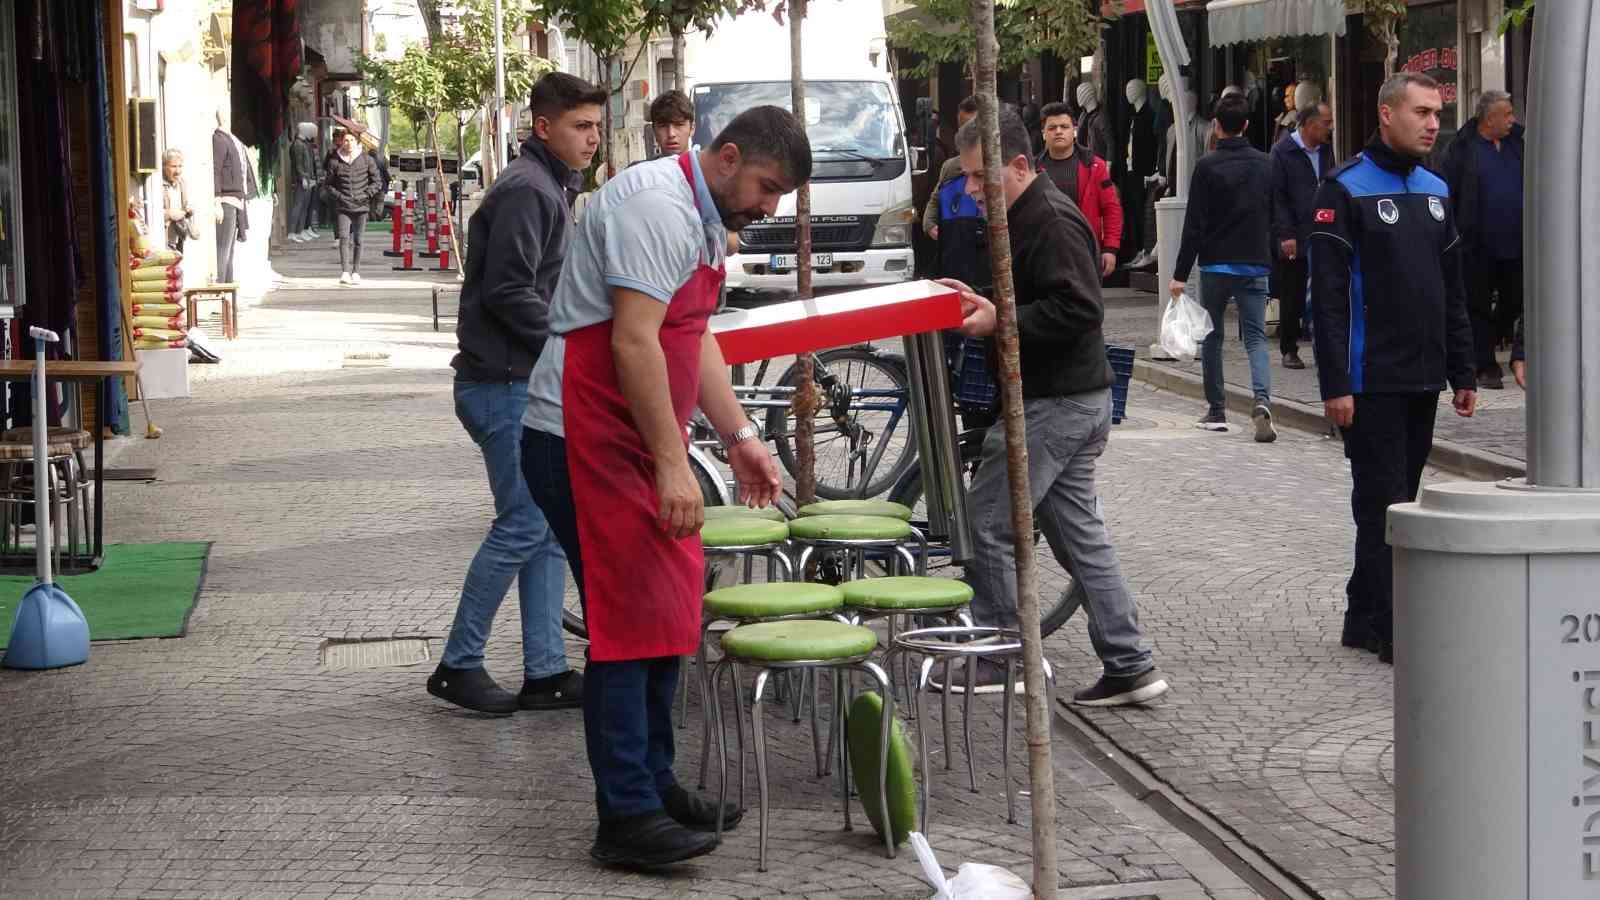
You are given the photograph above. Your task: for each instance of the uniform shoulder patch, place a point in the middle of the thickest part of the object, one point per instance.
(1323, 217)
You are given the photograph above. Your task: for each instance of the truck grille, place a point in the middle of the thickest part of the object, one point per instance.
(778, 237)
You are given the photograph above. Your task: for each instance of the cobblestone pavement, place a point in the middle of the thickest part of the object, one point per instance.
(344, 503)
(1499, 425)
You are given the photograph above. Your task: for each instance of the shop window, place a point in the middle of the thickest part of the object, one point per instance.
(11, 257)
(1428, 45)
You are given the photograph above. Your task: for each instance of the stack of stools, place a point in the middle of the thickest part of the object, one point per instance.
(68, 486)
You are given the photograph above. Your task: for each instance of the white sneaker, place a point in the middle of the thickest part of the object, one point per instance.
(308, 235)
(355, 277)
(297, 238)
(344, 277)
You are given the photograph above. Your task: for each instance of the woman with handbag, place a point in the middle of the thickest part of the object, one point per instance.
(176, 211)
(351, 180)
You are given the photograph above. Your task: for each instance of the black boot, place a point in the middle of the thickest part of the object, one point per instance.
(648, 840)
(471, 689)
(564, 691)
(695, 812)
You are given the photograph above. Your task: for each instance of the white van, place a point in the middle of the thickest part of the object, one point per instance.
(861, 209)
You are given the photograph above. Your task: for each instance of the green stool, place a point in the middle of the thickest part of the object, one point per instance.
(887, 508)
(853, 537)
(800, 644)
(746, 604)
(899, 598)
(770, 513)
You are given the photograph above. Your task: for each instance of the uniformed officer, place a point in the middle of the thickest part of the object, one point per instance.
(1391, 330)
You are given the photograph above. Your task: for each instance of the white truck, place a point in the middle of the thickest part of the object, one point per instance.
(861, 209)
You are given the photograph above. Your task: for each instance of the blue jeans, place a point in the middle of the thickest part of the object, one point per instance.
(1250, 292)
(519, 545)
(627, 705)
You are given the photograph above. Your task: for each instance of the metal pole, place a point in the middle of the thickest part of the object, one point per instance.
(499, 92)
(1170, 211)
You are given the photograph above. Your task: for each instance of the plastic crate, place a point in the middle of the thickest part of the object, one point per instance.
(973, 384)
(1121, 360)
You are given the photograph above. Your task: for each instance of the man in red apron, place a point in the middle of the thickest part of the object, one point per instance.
(604, 453)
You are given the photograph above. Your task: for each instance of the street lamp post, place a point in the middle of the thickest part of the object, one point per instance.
(499, 92)
(1497, 629)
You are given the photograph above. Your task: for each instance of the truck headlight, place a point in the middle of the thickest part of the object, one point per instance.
(894, 226)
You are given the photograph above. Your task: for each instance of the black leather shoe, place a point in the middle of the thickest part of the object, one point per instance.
(1291, 360)
(648, 841)
(696, 812)
(1368, 641)
(471, 689)
(1386, 652)
(564, 691)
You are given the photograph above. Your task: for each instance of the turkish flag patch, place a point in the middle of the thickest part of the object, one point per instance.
(1323, 217)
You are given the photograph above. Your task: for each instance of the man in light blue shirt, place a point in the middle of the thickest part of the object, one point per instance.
(1299, 161)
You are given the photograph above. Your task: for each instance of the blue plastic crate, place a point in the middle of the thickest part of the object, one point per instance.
(1121, 360)
(975, 385)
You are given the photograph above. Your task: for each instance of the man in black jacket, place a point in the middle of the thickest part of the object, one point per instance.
(517, 240)
(1299, 162)
(1483, 167)
(1067, 404)
(1391, 330)
(1226, 227)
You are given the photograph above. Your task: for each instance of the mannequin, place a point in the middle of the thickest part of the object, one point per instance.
(1093, 132)
(303, 172)
(233, 181)
(1286, 120)
(1140, 146)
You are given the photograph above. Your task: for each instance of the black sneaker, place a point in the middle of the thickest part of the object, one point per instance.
(696, 813)
(1262, 416)
(647, 841)
(564, 691)
(1291, 360)
(990, 678)
(1386, 651)
(1122, 690)
(1213, 421)
(1360, 641)
(471, 689)
(1491, 379)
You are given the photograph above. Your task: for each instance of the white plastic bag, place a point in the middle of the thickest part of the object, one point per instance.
(973, 881)
(1185, 324)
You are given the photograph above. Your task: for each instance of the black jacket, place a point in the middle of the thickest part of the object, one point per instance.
(1390, 307)
(1229, 212)
(1294, 189)
(516, 242)
(1461, 174)
(231, 175)
(1055, 261)
(354, 184)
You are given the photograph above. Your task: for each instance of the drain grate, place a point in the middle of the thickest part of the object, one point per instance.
(375, 654)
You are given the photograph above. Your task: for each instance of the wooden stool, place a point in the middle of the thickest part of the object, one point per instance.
(227, 293)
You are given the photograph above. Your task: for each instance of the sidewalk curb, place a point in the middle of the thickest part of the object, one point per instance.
(1240, 856)
(1459, 459)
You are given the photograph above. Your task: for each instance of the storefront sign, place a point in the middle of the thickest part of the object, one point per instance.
(1152, 60)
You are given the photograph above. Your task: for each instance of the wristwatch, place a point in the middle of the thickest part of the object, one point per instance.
(747, 433)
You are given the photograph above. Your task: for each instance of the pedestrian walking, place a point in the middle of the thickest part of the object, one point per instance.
(1226, 228)
(303, 180)
(352, 180)
(177, 213)
(519, 237)
(1299, 161)
(672, 123)
(629, 359)
(1483, 167)
(1066, 383)
(945, 200)
(1085, 178)
(1391, 330)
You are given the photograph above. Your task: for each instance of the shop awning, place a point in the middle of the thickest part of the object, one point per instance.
(1235, 21)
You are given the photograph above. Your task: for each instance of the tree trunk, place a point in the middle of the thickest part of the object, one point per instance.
(805, 400)
(677, 60)
(430, 18)
(605, 147)
(1391, 51)
(444, 190)
(1042, 775)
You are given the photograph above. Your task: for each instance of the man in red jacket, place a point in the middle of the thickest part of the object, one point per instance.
(1084, 177)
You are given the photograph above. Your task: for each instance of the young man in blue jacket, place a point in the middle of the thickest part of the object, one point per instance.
(1391, 330)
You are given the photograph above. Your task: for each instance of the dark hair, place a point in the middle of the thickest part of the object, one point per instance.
(969, 105)
(1312, 111)
(771, 133)
(558, 92)
(1051, 110)
(1393, 92)
(1014, 140)
(673, 106)
(1232, 112)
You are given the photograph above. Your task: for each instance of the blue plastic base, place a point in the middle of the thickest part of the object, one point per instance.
(49, 631)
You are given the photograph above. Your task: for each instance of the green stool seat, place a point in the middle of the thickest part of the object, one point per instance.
(798, 640)
(849, 528)
(741, 531)
(770, 513)
(777, 598)
(858, 508)
(865, 740)
(907, 592)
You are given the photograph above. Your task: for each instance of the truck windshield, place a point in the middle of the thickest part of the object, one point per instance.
(852, 119)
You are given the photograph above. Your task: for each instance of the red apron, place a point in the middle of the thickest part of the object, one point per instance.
(642, 587)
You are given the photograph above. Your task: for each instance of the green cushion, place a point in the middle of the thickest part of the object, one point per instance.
(770, 513)
(741, 531)
(799, 639)
(779, 598)
(907, 592)
(849, 528)
(865, 737)
(858, 508)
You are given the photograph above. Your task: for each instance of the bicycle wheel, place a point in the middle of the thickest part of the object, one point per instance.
(864, 437)
(908, 490)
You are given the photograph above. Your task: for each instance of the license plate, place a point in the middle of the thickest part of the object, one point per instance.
(787, 261)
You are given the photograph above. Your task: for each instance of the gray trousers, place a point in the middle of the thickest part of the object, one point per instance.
(1065, 437)
(227, 236)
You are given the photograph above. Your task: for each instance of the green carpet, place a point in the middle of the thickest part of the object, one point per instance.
(141, 590)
